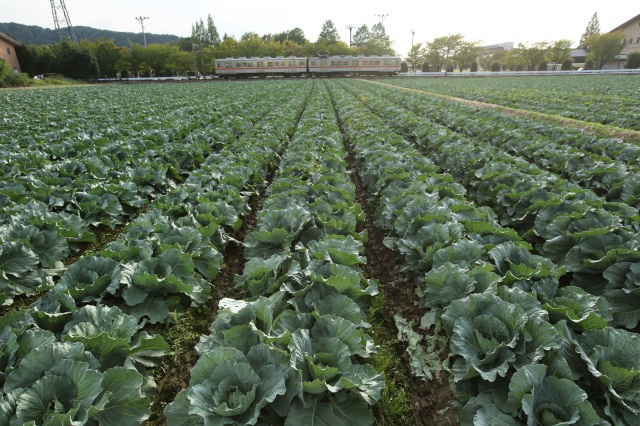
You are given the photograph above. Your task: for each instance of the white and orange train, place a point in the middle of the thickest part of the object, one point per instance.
(294, 66)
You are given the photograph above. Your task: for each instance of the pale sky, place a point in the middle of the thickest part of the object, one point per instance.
(487, 21)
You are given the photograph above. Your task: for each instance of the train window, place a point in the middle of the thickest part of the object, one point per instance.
(377, 63)
(333, 63)
(345, 62)
(312, 63)
(301, 63)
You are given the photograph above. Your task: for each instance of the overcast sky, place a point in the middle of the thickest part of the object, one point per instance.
(488, 21)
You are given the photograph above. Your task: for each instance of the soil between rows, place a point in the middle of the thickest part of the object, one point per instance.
(431, 399)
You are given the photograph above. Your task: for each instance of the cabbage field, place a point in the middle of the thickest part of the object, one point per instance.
(228, 253)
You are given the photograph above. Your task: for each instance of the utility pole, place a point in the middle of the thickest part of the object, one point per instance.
(350, 27)
(66, 21)
(204, 71)
(141, 19)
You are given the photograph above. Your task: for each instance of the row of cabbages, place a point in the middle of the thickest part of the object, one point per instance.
(79, 355)
(293, 352)
(524, 350)
(609, 167)
(596, 241)
(56, 191)
(609, 101)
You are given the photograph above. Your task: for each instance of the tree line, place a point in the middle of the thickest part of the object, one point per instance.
(102, 58)
(454, 52)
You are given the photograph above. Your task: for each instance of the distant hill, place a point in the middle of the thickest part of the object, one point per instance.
(37, 35)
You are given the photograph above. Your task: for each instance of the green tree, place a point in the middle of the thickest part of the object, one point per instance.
(380, 41)
(559, 52)
(533, 54)
(251, 45)
(228, 48)
(212, 36)
(35, 59)
(111, 58)
(603, 48)
(633, 60)
(296, 35)
(465, 54)
(361, 37)
(440, 50)
(593, 27)
(328, 33)
(74, 61)
(416, 55)
(292, 48)
(487, 61)
(513, 60)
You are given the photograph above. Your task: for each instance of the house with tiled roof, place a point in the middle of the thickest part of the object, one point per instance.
(8, 51)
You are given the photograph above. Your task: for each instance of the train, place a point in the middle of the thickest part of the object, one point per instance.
(315, 66)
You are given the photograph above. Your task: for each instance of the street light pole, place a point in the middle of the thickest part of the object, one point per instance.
(350, 27)
(413, 64)
(382, 16)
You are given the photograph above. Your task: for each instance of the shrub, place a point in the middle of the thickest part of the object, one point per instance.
(633, 60)
(495, 67)
(8, 78)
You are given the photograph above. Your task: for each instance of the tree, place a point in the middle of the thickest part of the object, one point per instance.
(228, 48)
(329, 33)
(559, 52)
(111, 58)
(415, 56)
(212, 36)
(74, 61)
(465, 54)
(296, 35)
(380, 41)
(593, 27)
(633, 60)
(439, 51)
(251, 45)
(361, 37)
(513, 60)
(603, 48)
(532, 55)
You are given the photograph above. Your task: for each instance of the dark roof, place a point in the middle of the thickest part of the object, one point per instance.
(10, 39)
(628, 22)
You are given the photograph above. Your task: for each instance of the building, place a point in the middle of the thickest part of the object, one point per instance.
(631, 34)
(8, 51)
